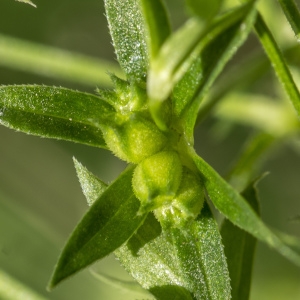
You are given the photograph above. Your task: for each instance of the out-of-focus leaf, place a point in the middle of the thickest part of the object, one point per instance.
(292, 14)
(157, 24)
(54, 112)
(283, 73)
(240, 250)
(109, 222)
(128, 32)
(242, 76)
(250, 159)
(178, 264)
(55, 63)
(261, 112)
(234, 207)
(92, 186)
(205, 10)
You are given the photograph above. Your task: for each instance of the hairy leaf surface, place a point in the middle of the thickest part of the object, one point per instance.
(127, 29)
(292, 14)
(178, 264)
(54, 112)
(240, 250)
(92, 187)
(157, 24)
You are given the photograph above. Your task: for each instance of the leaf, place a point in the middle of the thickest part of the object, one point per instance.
(28, 2)
(282, 71)
(205, 10)
(127, 29)
(109, 222)
(240, 250)
(212, 61)
(54, 112)
(202, 260)
(150, 258)
(55, 63)
(193, 43)
(92, 186)
(157, 24)
(292, 14)
(234, 207)
(178, 264)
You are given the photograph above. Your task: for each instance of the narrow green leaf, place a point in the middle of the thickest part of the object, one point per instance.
(205, 10)
(55, 63)
(292, 14)
(28, 2)
(240, 250)
(233, 206)
(150, 258)
(110, 221)
(283, 73)
(128, 33)
(193, 42)
(214, 57)
(54, 112)
(202, 260)
(92, 186)
(157, 24)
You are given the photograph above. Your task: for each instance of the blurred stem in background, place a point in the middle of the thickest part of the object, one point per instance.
(59, 64)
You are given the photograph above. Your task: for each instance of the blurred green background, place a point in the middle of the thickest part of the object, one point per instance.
(40, 197)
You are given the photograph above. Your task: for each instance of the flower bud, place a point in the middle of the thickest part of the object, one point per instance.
(135, 139)
(187, 203)
(156, 179)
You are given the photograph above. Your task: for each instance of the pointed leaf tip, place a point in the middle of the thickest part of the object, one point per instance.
(110, 222)
(92, 187)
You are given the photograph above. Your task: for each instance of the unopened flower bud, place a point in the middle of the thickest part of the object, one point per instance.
(135, 139)
(187, 203)
(156, 179)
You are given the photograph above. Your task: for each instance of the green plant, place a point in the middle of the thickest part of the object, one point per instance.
(155, 216)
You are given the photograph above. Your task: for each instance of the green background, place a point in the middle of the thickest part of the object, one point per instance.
(40, 197)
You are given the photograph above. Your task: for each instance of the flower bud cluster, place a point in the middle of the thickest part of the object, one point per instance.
(160, 181)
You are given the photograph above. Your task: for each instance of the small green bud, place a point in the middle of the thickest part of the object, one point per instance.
(135, 139)
(187, 203)
(156, 179)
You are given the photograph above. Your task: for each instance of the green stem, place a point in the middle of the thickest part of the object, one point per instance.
(55, 63)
